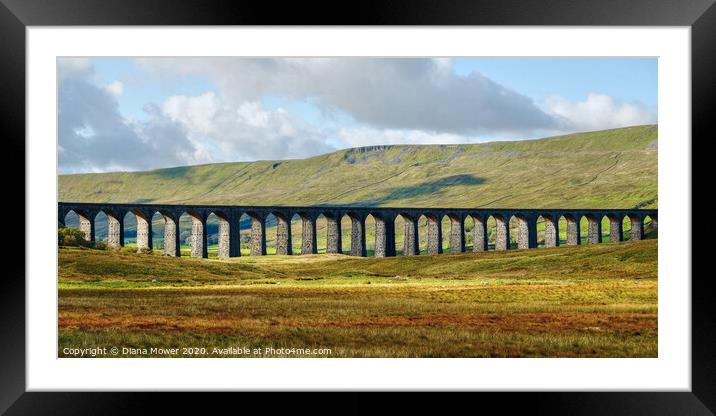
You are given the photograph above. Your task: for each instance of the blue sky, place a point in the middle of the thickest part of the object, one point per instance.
(630, 79)
(137, 114)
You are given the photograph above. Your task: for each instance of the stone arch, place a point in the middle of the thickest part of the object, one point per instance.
(650, 226)
(157, 229)
(101, 225)
(138, 229)
(218, 234)
(321, 224)
(635, 226)
(197, 238)
(115, 228)
(604, 224)
(82, 220)
(212, 234)
(271, 233)
(468, 227)
(296, 227)
(550, 230)
(490, 231)
(626, 227)
(346, 225)
(70, 219)
(411, 237)
(129, 220)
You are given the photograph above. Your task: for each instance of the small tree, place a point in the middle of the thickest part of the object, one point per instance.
(71, 237)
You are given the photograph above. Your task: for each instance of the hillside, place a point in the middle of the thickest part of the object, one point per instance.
(611, 168)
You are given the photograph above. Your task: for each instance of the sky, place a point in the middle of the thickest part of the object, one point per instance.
(131, 114)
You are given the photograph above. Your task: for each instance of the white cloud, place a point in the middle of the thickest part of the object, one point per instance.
(597, 112)
(95, 137)
(412, 93)
(366, 136)
(196, 113)
(244, 132)
(115, 88)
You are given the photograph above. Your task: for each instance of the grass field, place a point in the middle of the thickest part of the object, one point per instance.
(588, 301)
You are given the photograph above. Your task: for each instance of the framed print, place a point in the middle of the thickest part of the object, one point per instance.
(460, 197)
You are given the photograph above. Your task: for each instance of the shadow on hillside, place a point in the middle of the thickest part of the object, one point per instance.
(426, 188)
(171, 173)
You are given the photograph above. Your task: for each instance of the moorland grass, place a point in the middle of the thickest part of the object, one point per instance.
(588, 301)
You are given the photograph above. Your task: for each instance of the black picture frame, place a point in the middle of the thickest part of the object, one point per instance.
(16, 15)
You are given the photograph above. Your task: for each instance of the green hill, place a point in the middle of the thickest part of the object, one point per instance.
(611, 168)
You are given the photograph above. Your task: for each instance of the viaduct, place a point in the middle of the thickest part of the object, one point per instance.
(229, 216)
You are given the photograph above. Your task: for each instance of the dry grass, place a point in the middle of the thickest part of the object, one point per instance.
(591, 301)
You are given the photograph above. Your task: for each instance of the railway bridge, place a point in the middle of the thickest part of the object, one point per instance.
(229, 217)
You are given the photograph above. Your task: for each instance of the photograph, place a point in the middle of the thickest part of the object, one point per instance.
(357, 206)
(403, 197)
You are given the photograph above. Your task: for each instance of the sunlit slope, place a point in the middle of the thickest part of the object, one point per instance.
(611, 168)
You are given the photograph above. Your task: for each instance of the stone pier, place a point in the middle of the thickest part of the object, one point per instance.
(410, 237)
(284, 245)
(334, 238)
(594, 231)
(616, 230)
(637, 229)
(144, 233)
(435, 235)
(308, 236)
(258, 236)
(502, 238)
(479, 234)
(115, 232)
(384, 237)
(198, 237)
(358, 237)
(525, 234)
(573, 232)
(551, 232)
(172, 237)
(457, 234)
(224, 238)
(86, 226)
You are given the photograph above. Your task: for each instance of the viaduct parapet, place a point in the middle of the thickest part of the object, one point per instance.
(229, 217)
